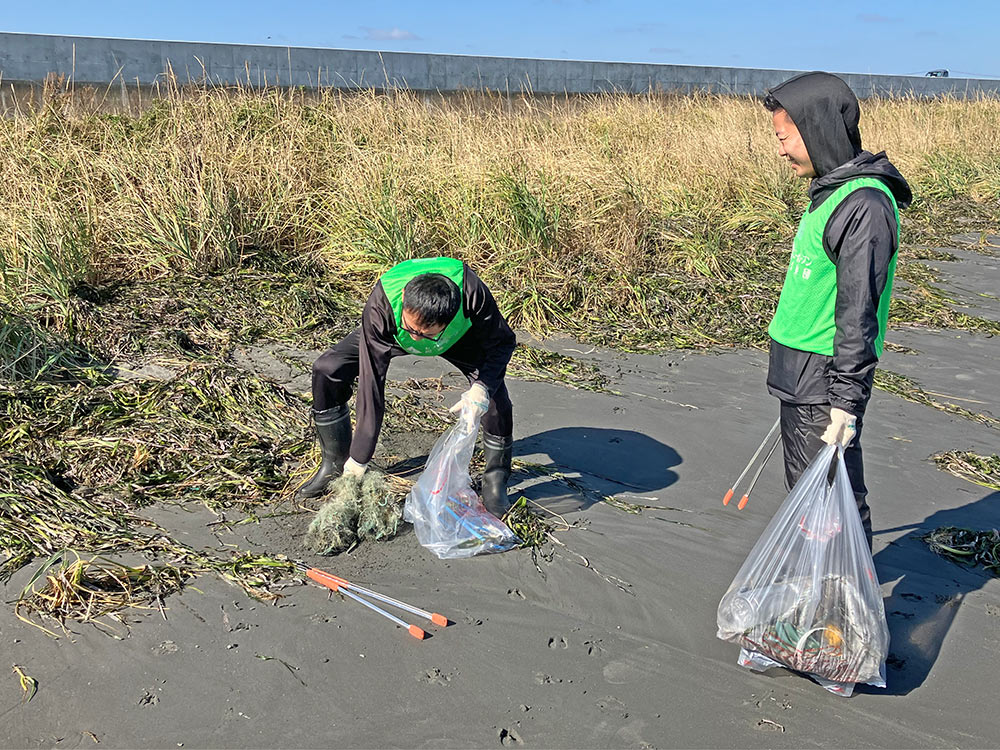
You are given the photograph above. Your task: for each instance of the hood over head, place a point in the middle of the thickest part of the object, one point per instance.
(826, 112)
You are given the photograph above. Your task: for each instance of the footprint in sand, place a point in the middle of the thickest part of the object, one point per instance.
(546, 679)
(167, 647)
(558, 642)
(636, 667)
(436, 677)
(515, 594)
(509, 737)
(594, 648)
(610, 704)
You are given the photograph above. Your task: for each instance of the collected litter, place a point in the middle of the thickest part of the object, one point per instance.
(447, 515)
(806, 597)
(356, 509)
(353, 591)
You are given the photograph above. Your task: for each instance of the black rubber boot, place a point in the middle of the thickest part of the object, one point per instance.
(494, 489)
(333, 428)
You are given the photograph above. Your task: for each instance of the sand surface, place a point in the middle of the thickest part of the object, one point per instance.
(619, 654)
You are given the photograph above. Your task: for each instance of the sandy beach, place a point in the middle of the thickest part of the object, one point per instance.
(608, 643)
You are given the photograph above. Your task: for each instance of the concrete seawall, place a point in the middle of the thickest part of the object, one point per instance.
(139, 64)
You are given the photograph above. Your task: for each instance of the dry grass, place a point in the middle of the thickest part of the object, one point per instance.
(909, 389)
(981, 470)
(636, 222)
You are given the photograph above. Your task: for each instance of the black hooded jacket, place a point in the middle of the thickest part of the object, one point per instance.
(860, 239)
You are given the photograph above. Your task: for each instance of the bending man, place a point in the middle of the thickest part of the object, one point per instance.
(427, 307)
(828, 330)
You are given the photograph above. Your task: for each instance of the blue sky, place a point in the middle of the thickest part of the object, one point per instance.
(846, 36)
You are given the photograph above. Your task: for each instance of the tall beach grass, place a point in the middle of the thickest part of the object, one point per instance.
(634, 221)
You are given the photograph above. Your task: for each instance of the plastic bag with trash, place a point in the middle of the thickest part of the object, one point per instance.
(807, 597)
(448, 516)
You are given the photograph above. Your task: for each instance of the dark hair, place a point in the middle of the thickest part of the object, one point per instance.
(433, 298)
(771, 104)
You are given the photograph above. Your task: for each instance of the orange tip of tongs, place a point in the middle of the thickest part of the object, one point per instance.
(743, 502)
(417, 632)
(439, 619)
(729, 496)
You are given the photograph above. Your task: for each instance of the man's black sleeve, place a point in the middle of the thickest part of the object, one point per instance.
(492, 336)
(376, 347)
(860, 238)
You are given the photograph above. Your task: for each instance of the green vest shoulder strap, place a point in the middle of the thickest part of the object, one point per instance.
(395, 280)
(805, 318)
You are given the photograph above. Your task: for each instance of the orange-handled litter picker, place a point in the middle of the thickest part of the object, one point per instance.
(351, 590)
(760, 448)
(760, 470)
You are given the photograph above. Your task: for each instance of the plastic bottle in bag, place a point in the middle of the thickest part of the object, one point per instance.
(448, 517)
(807, 597)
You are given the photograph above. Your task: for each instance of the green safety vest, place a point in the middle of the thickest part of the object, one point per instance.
(396, 279)
(805, 318)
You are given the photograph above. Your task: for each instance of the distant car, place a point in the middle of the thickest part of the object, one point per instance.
(940, 73)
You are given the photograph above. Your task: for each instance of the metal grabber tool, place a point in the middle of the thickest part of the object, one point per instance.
(750, 463)
(352, 591)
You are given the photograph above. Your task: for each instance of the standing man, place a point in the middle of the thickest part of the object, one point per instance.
(427, 307)
(828, 331)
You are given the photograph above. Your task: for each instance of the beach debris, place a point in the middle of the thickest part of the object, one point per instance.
(334, 528)
(356, 509)
(767, 723)
(29, 685)
(982, 470)
(352, 591)
(807, 597)
(85, 451)
(380, 512)
(531, 363)
(291, 669)
(533, 529)
(967, 547)
(911, 390)
(449, 518)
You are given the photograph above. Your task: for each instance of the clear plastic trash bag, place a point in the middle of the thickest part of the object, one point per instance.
(807, 597)
(447, 515)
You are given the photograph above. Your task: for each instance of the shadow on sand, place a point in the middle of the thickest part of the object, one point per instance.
(596, 462)
(928, 593)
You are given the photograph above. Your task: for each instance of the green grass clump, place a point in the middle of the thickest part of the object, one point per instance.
(533, 529)
(967, 547)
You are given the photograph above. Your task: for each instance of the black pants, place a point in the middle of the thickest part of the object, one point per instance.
(802, 425)
(336, 371)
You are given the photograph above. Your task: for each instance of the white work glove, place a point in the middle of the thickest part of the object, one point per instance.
(353, 469)
(473, 405)
(842, 428)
